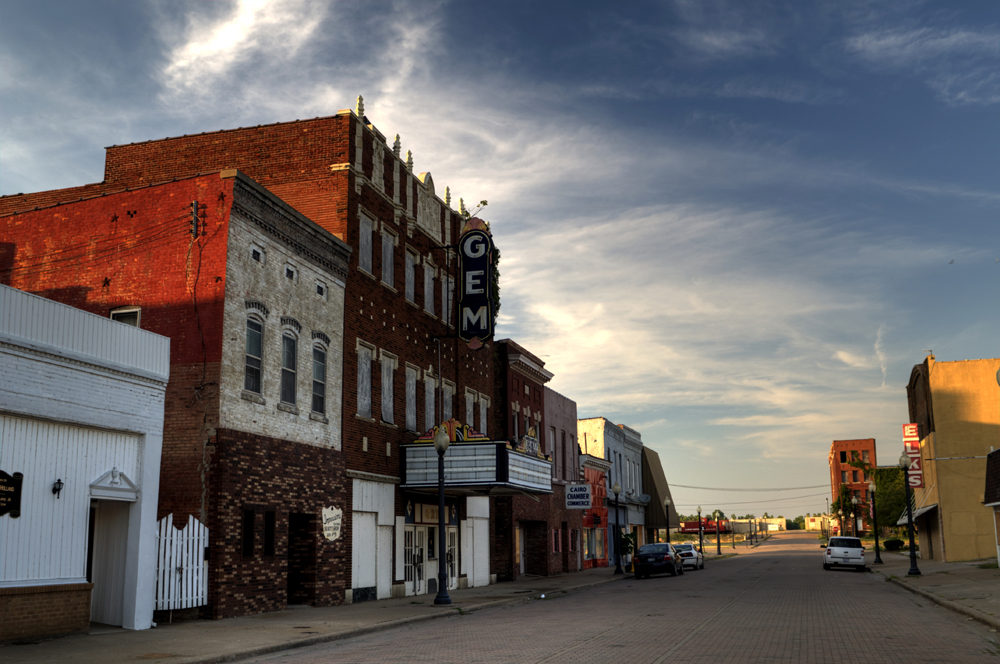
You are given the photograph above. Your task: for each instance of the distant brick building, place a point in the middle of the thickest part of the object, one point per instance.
(251, 294)
(842, 452)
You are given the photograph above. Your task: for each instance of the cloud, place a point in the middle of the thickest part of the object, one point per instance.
(959, 64)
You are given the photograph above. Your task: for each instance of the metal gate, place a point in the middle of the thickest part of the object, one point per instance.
(181, 567)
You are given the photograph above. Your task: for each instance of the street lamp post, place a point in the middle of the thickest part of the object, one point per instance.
(441, 442)
(732, 530)
(701, 530)
(904, 463)
(854, 515)
(616, 489)
(871, 494)
(666, 507)
(718, 538)
(840, 521)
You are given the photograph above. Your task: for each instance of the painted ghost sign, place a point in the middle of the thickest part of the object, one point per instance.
(475, 282)
(333, 517)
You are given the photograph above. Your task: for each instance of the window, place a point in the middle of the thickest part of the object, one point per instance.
(843, 477)
(321, 290)
(364, 380)
(854, 476)
(365, 244)
(249, 519)
(127, 315)
(556, 540)
(470, 408)
(319, 380)
(843, 457)
(411, 398)
(484, 403)
(429, 288)
(289, 355)
(514, 418)
(562, 456)
(255, 335)
(291, 273)
(864, 456)
(388, 368)
(429, 406)
(411, 277)
(447, 298)
(431, 543)
(388, 258)
(447, 392)
(257, 254)
(269, 522)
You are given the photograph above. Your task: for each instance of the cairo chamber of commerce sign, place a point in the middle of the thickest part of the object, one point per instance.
(475, 275)
(578, 497)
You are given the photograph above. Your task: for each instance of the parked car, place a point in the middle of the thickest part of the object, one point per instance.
(655, 559)
(690, 555)
(846, 552)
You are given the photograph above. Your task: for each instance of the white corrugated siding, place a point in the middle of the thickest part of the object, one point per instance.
(54, 529)
(76, 334)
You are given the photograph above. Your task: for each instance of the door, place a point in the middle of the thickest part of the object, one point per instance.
(452, 558)
(302, 530)
(520, 549)
(364, 556)
(418, 557)
(110, 547)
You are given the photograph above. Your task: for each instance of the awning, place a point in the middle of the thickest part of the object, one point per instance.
(916, 513)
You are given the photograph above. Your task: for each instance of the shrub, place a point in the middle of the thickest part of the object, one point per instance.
(893, 544)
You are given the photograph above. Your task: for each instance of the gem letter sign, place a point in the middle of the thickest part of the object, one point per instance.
(333, 517)
(578, 497)
(911, 443)
(10, 494)
(475, 301)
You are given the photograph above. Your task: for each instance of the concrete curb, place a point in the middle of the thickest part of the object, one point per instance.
(451, 612)
(969, 612)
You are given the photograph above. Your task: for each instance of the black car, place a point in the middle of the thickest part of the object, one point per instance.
(655, 559)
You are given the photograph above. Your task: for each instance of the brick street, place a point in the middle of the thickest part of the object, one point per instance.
(772, 604)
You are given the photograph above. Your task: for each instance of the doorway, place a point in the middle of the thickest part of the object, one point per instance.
(302, 529)
(519, 549)
(106, 557)
(415, 559)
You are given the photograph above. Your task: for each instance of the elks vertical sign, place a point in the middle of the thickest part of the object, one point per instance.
(911, 443)
(475, 283)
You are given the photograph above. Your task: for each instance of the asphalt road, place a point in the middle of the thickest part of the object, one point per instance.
(773, 604)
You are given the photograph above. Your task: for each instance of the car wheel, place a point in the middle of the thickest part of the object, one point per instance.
(673, 571)
(825, 566)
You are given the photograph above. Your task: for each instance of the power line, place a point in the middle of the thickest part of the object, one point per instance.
(793, 488)
(757, 502)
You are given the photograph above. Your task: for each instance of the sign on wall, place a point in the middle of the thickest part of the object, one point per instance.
(578, 497)
(10, 494)
(333, 518)
(911, 444)
(475, 278)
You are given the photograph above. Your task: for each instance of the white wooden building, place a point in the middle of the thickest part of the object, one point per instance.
(81, 427)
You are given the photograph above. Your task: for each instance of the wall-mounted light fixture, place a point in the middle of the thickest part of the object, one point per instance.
(57, 488)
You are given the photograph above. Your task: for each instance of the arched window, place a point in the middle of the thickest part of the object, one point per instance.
(289, 360)
(254, 353)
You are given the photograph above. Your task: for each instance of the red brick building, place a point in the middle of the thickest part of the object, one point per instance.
(842, 452)
(398, 321)
(251, 294)
(594, 522)
(535, 535)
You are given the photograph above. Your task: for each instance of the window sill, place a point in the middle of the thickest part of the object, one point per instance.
(365, 272)
(253, 396)
(388, 425)
(412, 303)
(364, 418)
(318, 417)
(288, 408)
(431, 314)
(389, 287)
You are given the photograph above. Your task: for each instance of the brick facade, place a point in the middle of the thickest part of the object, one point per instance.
(35, 612)
(842, 452)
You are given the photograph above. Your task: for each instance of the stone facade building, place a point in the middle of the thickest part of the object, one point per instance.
(251, 294)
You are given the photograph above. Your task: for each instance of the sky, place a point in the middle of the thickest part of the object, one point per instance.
(734, 226)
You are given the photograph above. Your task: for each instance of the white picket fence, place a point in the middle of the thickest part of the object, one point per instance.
(181, 568)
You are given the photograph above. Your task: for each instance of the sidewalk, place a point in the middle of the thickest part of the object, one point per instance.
(204, 641)
(961, 587)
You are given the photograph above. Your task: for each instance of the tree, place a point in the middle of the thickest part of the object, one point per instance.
(890, 493)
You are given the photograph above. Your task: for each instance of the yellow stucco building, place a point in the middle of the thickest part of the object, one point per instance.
(957, 408)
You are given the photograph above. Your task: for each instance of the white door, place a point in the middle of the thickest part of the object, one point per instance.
(108, 571)
(363, 554)
(481, 551)
(383, 566)
(419, 586)
(452, 557)
(409, 569)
